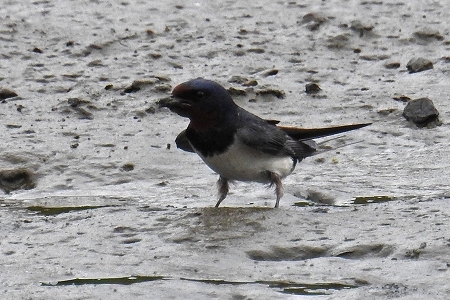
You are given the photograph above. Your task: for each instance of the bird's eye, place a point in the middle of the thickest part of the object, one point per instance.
(200, 95)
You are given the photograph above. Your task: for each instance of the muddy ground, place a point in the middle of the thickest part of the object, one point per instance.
(106, 207)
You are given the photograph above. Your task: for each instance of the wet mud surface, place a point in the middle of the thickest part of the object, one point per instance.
(96, 202)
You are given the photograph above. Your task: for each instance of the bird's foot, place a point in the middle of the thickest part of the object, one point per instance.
(223, 187)
(275, 179)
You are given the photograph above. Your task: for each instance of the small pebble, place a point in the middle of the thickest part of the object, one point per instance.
(271, 72)
(6, 93)
(392, 65)
(37, 50)
(312, 88)
(127, 167)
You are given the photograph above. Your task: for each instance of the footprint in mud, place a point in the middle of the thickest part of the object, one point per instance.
(364, 251)
(277, 253)
(17, 179)
(128, 234)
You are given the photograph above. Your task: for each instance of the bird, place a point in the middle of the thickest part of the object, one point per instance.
(235, 143)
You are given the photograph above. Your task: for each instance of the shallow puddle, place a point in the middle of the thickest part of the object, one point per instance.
(310, 288)
(294, 288)
(372, 199)
(110, 280)
(303, 203)
(51, 211)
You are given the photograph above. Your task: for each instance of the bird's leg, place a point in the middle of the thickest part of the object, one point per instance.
(275, 179)
(223, 187)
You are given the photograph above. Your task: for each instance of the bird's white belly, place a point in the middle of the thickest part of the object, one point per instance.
(243, 163)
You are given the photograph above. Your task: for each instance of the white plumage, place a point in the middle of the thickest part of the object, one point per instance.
(242, 163)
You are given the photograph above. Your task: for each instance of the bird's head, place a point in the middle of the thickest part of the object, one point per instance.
(205, 102)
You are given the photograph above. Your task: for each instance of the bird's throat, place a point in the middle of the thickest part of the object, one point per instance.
(209, 141)
(202, 121)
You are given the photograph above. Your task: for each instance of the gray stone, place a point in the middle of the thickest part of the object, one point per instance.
(420, 111)
(419, 64)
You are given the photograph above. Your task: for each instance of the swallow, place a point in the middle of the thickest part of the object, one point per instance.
(236, 144)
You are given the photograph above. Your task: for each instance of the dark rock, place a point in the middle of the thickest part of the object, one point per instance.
(16, 179)
(312, 88)
(421, 112)
(6, 93)
(419, 64)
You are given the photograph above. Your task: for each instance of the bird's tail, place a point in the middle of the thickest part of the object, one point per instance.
(304, 134)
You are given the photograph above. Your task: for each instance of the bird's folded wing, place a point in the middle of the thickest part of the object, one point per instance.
(271, 140)
(264, 137)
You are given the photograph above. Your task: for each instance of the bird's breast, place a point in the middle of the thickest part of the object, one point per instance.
(242, 163)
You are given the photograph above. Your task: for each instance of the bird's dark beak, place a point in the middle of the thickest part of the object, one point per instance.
(168, 102)
(177, 105)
